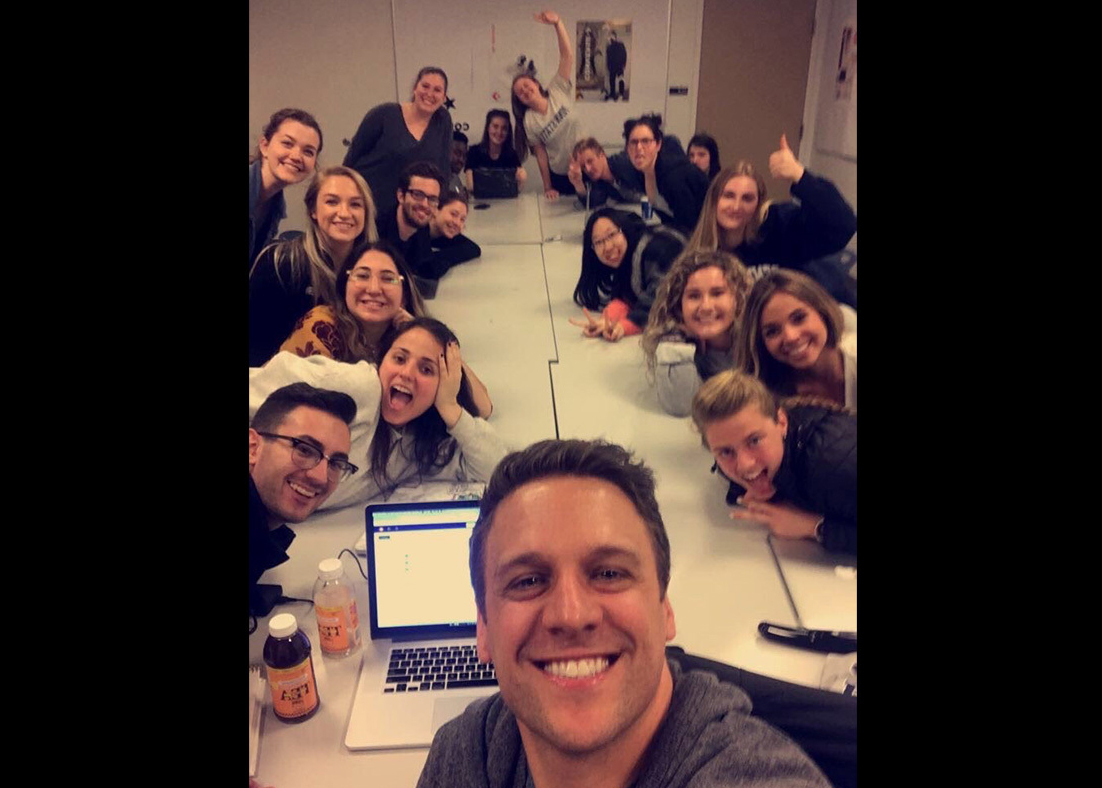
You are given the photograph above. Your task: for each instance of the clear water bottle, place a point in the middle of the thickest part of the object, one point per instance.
(335, 608)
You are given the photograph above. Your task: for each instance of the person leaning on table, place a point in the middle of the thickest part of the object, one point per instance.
(570, 563)
(299, 441)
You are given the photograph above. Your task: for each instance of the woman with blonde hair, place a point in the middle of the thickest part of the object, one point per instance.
(692, 329)
(799, 340)
(738, 218)
(291, 276)
(792, 464)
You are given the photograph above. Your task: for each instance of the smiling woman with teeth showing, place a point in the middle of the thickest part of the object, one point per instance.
(291, 276)
(798, 339)
(623, 261)
(693, 326)
(393, 135)
(792, 464)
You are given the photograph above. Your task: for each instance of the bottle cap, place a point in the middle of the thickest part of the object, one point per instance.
(330, 569)
(282, 625)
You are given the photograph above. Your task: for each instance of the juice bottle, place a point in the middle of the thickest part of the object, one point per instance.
(335, 607)
(290, 670)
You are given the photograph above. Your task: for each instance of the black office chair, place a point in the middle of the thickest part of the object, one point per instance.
(823, 723)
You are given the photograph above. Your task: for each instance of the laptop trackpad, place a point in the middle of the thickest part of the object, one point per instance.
(447, 709)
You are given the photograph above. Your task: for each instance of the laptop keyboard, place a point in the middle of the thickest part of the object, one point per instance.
(437, 668)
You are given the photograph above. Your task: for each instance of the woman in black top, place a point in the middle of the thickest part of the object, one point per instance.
(496, 150)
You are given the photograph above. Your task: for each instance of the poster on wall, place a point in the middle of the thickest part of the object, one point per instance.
(603, 60)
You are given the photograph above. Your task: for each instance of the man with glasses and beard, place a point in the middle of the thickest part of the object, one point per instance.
(299, 441)
(407, 224)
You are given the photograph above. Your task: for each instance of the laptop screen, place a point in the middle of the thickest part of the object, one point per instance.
(418, 565)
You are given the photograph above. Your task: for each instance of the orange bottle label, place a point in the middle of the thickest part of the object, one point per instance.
(294, 690)
(337, 627)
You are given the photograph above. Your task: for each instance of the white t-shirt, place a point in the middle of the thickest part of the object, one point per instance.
(557, 129)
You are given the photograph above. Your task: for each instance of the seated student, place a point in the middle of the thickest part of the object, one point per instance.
(593, 179)
(406, 225)
(416, 416)
(545, 117)
(764, 235)
(570, 565)
(289, 277)
(623, 261)
(287, 154)
(692, 329)
(793, 468)
(793, 336)
(449, 246)
(496, 150)
(657, 166)
(293, 431)
(456, 184)
(375, 291)
(704, 153)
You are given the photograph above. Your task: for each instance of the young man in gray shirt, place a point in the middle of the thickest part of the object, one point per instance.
(570, 563)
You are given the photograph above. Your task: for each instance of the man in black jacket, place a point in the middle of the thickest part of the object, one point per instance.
(298, 452)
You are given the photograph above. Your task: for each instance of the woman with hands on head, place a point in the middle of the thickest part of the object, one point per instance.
(623, 262)
(416, 411)
(764, 235)
(799, 340)
(545, 118)
(693, 326)
(792, 464)
(393, 135)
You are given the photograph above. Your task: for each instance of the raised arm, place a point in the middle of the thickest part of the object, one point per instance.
(566, 52)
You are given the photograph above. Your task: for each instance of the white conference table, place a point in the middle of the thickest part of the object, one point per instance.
(511, 310)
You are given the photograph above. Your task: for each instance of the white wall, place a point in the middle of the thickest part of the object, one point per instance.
(332, 58)
(337, 59)
(830, 124)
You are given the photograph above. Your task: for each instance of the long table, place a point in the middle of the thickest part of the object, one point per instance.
(511, 310)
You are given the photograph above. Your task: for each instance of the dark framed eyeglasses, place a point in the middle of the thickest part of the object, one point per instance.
(307, 455)
(420, 196)
(644, 142)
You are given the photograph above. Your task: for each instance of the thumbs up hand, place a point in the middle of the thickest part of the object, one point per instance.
(783, 164)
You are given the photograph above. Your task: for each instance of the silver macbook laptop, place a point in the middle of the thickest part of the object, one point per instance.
(420, 668)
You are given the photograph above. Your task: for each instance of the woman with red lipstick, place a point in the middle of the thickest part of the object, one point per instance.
(693, 325)
(623, 261)
(764, 235)
(416, 413)
(792, 464)
(496, 150)
(545, 118)
(794, 338)
(291, 276)
(393, 135)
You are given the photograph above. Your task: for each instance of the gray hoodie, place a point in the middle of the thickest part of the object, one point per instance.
(707, 740)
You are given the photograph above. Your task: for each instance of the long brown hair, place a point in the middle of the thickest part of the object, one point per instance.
(706, 233)
(751, 355)
(520, 136)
